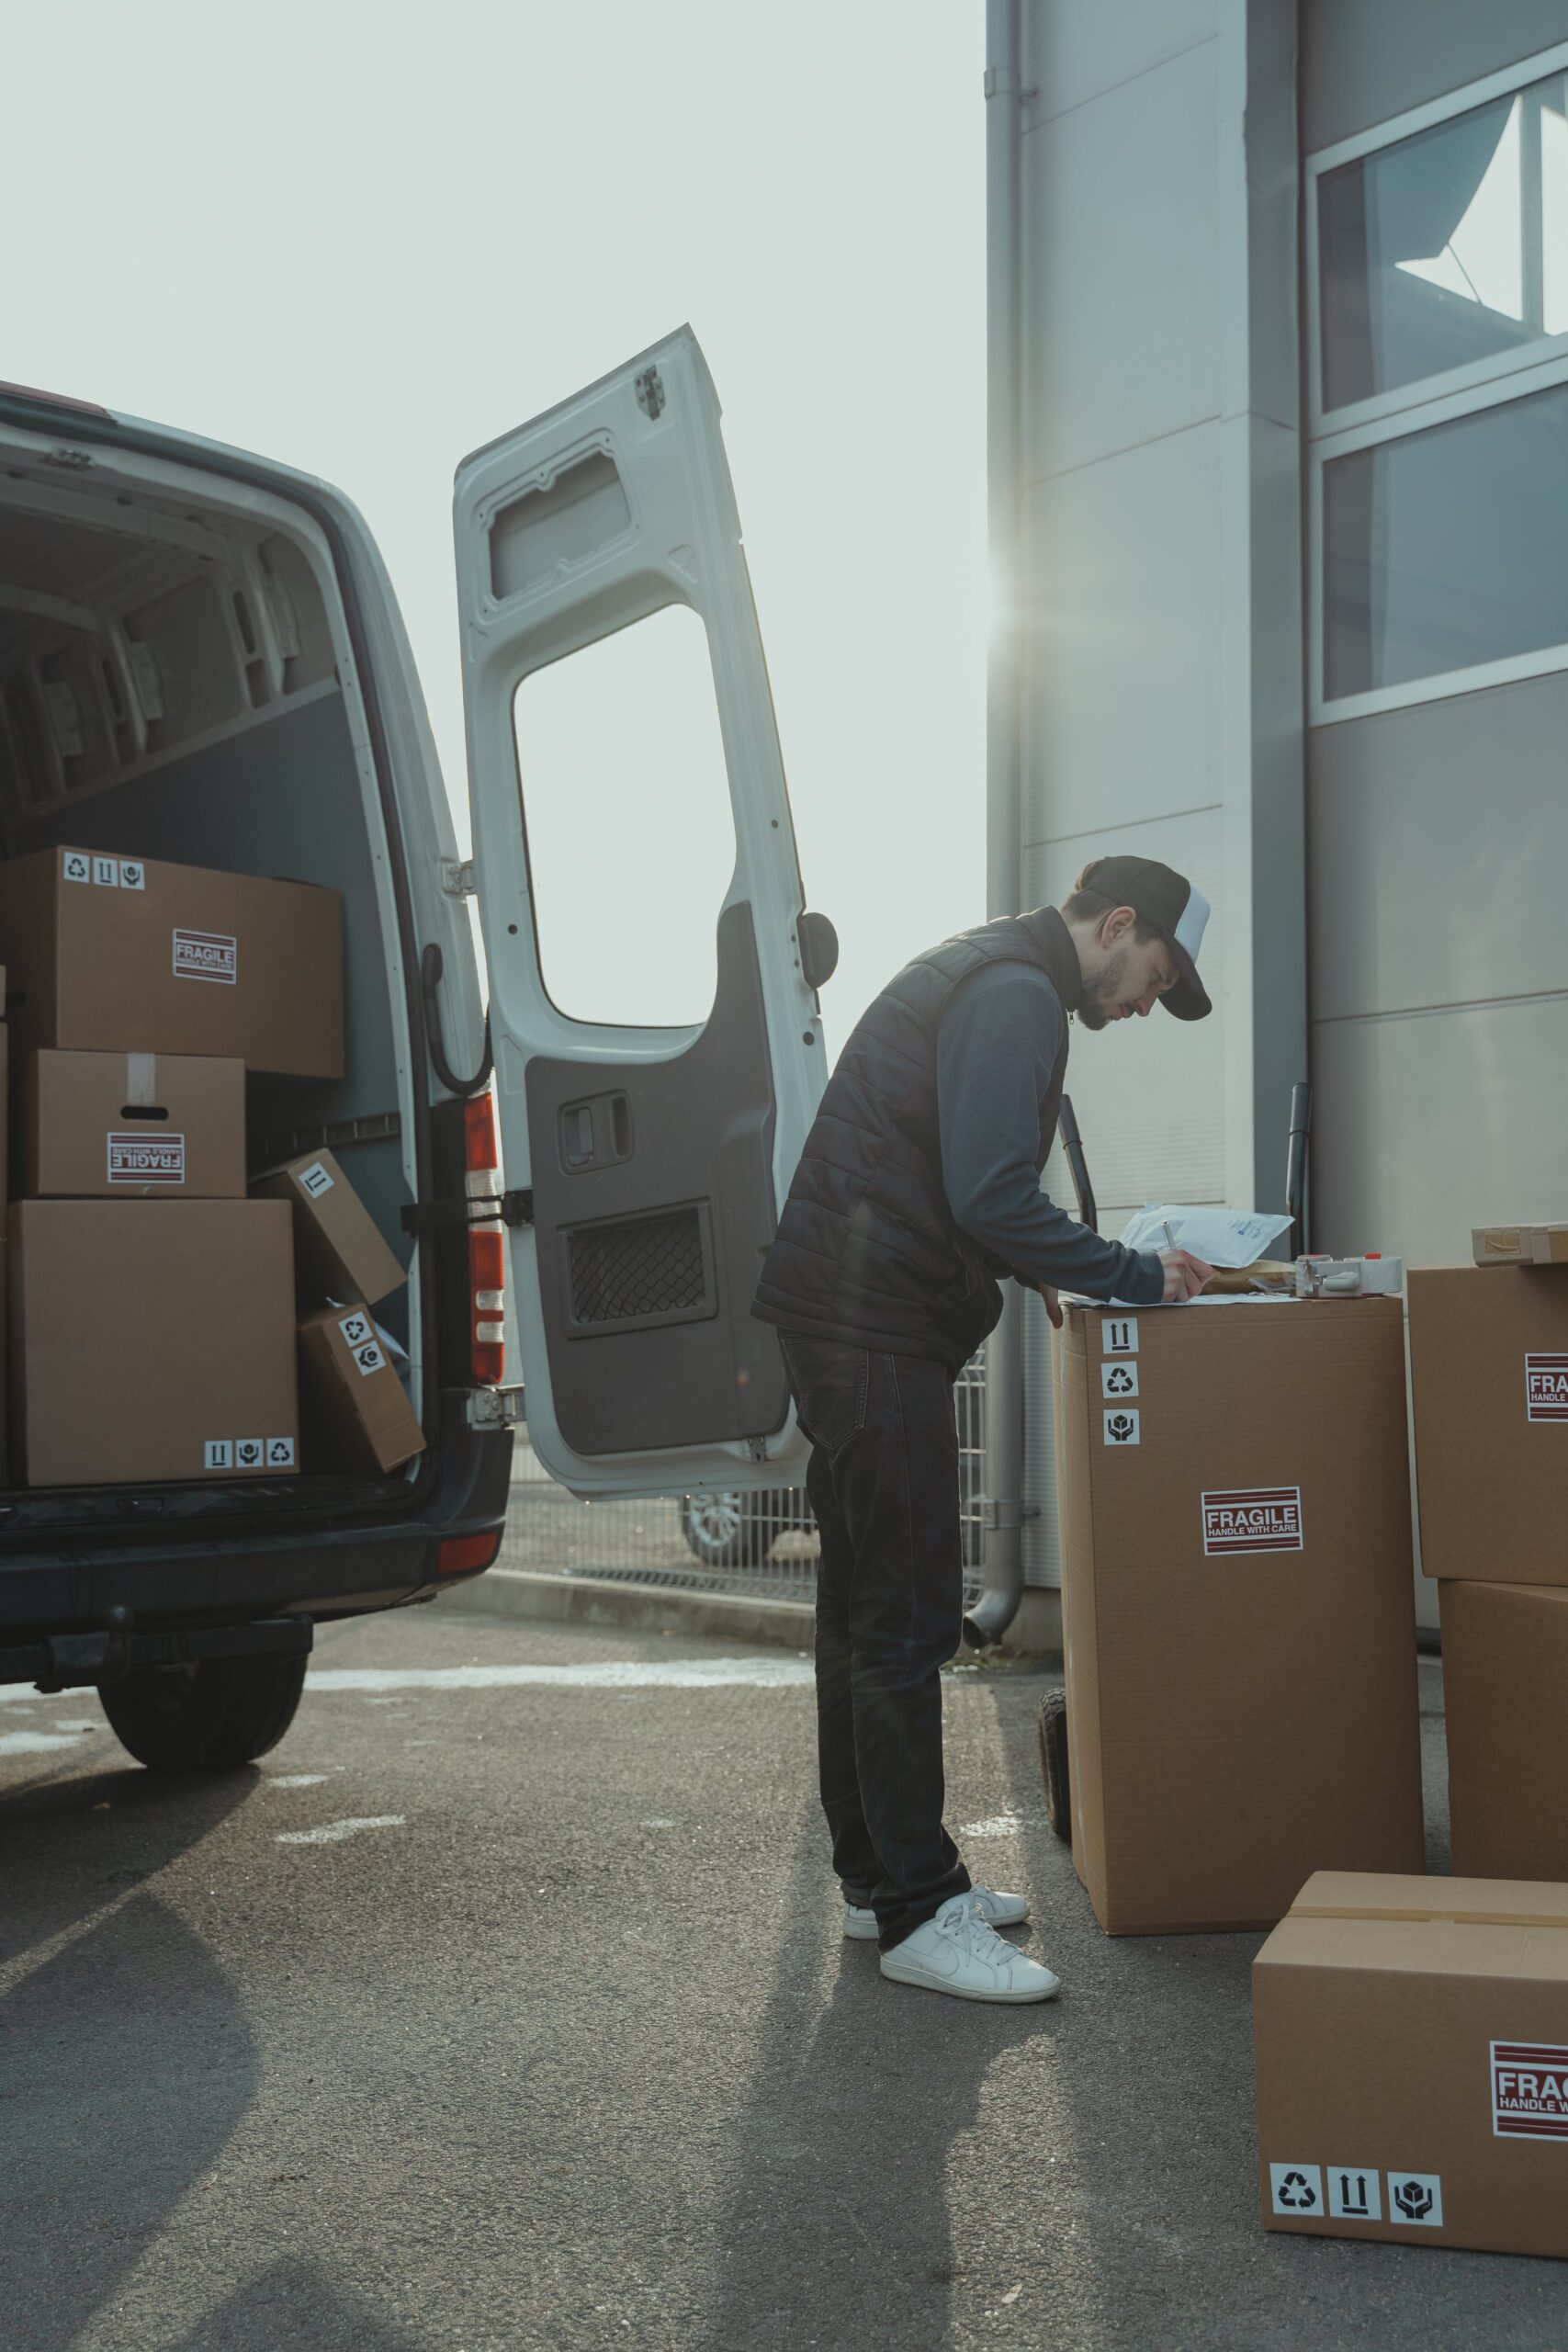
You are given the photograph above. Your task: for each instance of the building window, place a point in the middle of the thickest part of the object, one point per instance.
(1447, 549)
(1437, 358)
(1447, 248)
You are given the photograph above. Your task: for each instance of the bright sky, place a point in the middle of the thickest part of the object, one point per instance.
(365, 238)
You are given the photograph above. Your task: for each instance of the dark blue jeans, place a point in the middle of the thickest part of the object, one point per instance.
(884, 1485)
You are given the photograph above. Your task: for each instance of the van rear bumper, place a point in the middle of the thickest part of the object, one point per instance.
(316, 1572)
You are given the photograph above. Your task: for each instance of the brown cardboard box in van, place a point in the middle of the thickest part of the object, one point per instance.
(122, 954)
(127, 1126)
(1519, 1245)
(151, 1340)
(1489, 1384)
(355, 1415)
(1238, 1603)
(338, 1249)
(1412, 2039)
(1504, 1672)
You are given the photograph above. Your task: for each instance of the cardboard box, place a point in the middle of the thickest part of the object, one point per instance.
(151, 1340)
(1505, 1672)
(1489, 1384)
(115, 954)
(127, 1126)
(1412, 2039)
(357, 1417)
(1517, 1245)
(338, 1249)
(1239, 1611)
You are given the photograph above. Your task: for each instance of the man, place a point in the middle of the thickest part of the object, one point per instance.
(918, 1188)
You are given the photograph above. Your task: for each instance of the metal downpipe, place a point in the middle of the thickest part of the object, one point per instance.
(998, 1604)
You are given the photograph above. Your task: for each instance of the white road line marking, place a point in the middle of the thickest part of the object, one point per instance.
(333, 1833)
(999, 1824)
(37, 1743)
(295, 1780)
(607, 1674)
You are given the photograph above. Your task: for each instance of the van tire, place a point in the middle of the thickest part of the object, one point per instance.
(1054, 1764)
(214, 1716)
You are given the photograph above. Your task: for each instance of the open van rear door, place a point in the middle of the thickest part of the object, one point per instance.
(657, 1155)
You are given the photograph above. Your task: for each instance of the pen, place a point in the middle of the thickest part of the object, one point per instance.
(1169, 1236)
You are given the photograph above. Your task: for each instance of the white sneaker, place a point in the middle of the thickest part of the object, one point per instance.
(960, 1952)
(997, 1910)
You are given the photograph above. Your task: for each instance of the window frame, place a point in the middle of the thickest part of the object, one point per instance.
(1399, 415)
(1474, 372)
(1442, 684)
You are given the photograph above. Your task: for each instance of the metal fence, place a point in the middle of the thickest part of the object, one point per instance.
(764, 1542)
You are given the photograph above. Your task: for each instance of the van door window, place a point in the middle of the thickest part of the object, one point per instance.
(630, 832)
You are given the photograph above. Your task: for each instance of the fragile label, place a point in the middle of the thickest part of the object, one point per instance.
(1546, 1389)
(362, 1346)
(132, 874)
(1416, 2198)
(249, 1452)
(1121, 1427)
(206, 956)
(1253, 1519)
(146, 1160)
(1530, 2091)
(1118, 1379)
(1118, 1335)
(315, 1179)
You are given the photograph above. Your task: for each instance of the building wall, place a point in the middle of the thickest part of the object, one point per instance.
(1162, 678)
(1438, 831)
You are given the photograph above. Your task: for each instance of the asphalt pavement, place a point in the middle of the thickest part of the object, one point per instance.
(505, 2005)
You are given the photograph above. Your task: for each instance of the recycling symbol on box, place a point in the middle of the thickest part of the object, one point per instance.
(76, 866)
(1297, 2192)
(1121, 1380)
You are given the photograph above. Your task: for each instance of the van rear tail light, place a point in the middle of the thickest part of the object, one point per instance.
(460, 1554)
(487, 1245)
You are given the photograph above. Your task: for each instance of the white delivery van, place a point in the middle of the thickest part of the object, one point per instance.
(201, 660)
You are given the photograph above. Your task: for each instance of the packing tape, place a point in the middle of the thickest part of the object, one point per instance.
(1428, 1915)
(140, 1081)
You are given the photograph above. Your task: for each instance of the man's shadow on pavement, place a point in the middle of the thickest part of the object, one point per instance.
(837, 2228)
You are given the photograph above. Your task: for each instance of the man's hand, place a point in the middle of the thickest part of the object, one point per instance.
(1052, 1305)
(1184, 1274)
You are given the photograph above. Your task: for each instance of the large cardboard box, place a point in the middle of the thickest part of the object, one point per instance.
(1239, 1610)
(338, 1249)
(1412, 2039)
(1489, 1384)
(123, 1126)
(1504, 1674)
(122, 954)
(1519, 1245)
(355, 1415)
(151, 1340)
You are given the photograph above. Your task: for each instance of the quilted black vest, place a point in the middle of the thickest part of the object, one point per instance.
(867, 1251)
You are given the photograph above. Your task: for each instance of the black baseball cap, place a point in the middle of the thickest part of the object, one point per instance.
(1166, 899)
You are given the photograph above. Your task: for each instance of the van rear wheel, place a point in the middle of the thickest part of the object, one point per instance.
(210, 1717)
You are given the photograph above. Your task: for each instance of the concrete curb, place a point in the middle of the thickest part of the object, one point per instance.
(658, 1608)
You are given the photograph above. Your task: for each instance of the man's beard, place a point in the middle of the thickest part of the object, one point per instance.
(1099, 1003)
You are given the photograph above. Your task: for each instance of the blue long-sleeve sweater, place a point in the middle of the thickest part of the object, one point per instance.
(997, 1048)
